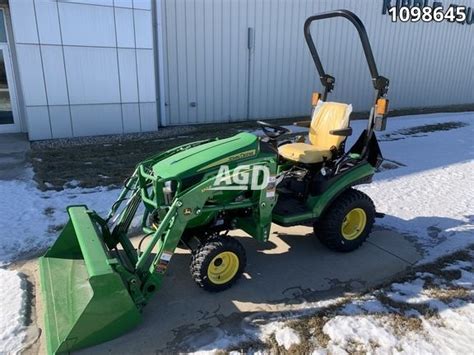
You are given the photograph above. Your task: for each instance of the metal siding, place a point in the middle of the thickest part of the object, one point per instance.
(208, 85)
(226, 58)
(191, 62)
(201, 68)
(429, 64)
(206, 61)
(181, 53)
(218, 62)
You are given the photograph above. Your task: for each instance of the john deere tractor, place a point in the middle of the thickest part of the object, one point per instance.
(95, 283)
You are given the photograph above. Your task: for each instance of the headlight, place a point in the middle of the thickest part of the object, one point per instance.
(168, 192)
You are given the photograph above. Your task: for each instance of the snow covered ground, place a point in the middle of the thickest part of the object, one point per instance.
(430, 196)
(431, 311)
(426, 190)
(12, 311)
(30, 221)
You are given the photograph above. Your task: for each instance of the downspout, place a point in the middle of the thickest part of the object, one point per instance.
(158, 51)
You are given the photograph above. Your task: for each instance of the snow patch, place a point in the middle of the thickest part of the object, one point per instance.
(408, 292)
(12, 312)
(460, 264)
(466, 280)
(363, 330)
(367, 304)
(374, 306)
(287, 337)
(32, 220)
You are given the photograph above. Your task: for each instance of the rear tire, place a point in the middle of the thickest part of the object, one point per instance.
(347, 223)
(217, 264)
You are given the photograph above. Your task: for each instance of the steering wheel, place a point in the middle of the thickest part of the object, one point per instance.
(272, 131)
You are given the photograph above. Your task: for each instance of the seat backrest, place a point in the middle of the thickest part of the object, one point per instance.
(328, 116)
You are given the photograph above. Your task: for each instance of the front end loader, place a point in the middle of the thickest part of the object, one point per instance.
(95, 282)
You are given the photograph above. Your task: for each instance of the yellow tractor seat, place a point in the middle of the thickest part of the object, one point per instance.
(303, 153)
(327, 116)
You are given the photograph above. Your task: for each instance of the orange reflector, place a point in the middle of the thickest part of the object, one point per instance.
(315, 98)
(382, 107)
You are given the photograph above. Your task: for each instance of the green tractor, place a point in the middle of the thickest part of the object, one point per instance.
(95, 283)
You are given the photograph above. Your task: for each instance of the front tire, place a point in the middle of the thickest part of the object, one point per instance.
(347, 223)
(218, 263)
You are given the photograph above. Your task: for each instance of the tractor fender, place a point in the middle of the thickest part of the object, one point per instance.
(361, 174)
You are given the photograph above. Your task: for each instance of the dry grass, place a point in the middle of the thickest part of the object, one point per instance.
(402, 324)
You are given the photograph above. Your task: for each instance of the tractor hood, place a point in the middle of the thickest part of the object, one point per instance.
(204, 157)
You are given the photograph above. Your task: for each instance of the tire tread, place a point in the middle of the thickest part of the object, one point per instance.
(199, 262)
(328, 228)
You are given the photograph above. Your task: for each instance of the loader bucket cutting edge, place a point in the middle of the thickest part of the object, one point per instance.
(85, 300)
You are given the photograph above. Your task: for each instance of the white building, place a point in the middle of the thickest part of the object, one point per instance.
(88, 67)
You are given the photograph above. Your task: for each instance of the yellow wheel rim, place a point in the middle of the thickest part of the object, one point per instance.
(353, 224)
(223, 267)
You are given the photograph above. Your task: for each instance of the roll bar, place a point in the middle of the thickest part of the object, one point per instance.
(380, 83)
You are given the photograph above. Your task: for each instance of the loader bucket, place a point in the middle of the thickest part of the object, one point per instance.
(85, 300)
